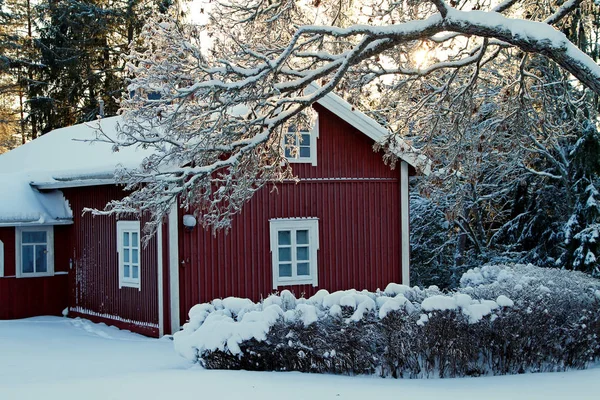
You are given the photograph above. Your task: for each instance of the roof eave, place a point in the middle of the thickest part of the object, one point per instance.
(72, 183)
(8, 224)
(370, 128)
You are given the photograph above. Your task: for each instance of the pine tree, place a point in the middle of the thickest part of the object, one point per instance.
(582, 230)
(81, 45)
(5, 80)
(17, 60)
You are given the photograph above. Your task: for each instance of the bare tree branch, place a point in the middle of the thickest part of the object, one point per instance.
(225, 108)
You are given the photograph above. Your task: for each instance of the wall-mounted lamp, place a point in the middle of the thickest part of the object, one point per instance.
(189, 221)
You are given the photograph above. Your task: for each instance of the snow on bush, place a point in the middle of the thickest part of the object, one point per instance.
(504, 319)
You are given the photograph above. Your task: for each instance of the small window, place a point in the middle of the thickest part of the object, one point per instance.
(301, 146)
(294, 245)
(128, 247)
(34, 251)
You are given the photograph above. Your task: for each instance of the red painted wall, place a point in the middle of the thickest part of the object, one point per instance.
(94, 280)
(28, 297)
(359, 226)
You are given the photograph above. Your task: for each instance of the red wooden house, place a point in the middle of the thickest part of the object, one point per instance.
(344, 225)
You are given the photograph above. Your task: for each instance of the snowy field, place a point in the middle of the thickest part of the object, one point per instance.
(54, 358)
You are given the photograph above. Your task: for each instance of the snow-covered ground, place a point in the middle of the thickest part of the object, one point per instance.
(55, 358)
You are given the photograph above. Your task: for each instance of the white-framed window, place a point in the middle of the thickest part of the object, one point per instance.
(1, 259)
(34, 251)
(128, 247)
(294, 245)
(301, 146)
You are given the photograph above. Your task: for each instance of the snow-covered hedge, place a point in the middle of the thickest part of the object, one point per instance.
(503, 319)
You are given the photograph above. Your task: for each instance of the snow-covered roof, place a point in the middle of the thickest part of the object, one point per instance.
(23, 205)
(60, 158)
(62, 155)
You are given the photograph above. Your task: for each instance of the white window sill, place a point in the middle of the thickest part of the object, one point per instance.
(35, 275)
(133, 285)
(303, 161)
(291, 282)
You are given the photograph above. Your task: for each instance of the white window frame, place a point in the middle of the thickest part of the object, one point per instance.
(49, 229)
(294, 224)
(131, 227)
(314, 135)
(1, 259)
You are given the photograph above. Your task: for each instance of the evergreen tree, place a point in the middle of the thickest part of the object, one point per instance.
(17, 60)
(5, 80)
(81, 45)
(582, 230)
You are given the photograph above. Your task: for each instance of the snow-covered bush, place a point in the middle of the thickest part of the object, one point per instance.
(503, 319)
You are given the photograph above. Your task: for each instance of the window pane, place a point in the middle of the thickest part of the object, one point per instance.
(126, 239)
(41, 260)
(285, 254)
(27, 259)
(305, 140)
(134, 271)
(302, 237)
(34, 237)
(285, 237)
(126, 255)
(285, 270)
(304, 151)
(126, 270)
(134, 239)
(303, 269)
(288, 153)
(134, 256)
(302, 253)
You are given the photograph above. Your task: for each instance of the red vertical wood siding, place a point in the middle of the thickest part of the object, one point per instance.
(95, 292)
(29, 297)
(356, 198)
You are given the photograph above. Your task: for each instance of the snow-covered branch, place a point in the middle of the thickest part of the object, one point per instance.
(216, 102)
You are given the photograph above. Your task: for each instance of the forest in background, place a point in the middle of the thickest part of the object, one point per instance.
(59, 58)
(517, 183)
(521, 183)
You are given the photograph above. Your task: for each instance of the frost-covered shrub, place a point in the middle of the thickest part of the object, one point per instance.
(555, 315)
(504, 319)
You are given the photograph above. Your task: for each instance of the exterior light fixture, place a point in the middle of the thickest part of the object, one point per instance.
(189, 221)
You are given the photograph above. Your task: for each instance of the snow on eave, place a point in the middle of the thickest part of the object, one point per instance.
(372, 129)
(23, 204)
(8, 224)
(45, 163)
(83, 181)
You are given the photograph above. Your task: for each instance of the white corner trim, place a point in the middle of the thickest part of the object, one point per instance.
(1, 259)
(49, 249)
(174, 267)
(405, 223)
(282, 224)
(159, 279)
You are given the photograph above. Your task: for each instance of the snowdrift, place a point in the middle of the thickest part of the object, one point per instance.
(503, 320)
